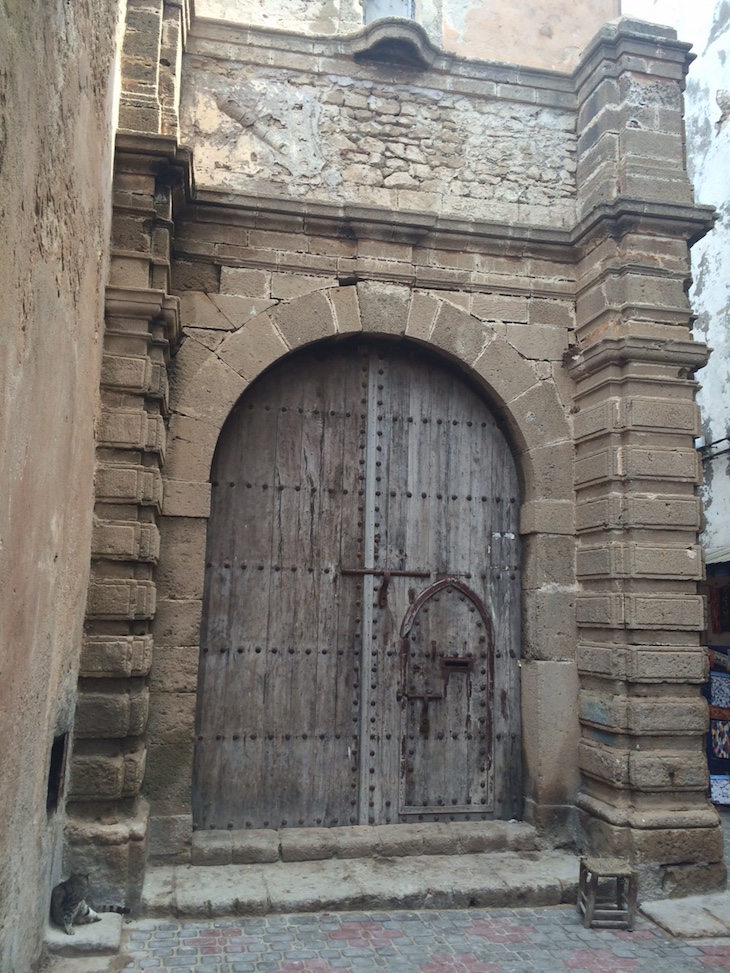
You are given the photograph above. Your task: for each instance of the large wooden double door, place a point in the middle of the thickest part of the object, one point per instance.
(360, 641)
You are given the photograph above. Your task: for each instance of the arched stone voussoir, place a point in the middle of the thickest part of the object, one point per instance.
(305, 319)
(212, 393)
(384, 307)
(191, 444)
(460, 335)
(548, 473)
(252, 348)
(540, 416)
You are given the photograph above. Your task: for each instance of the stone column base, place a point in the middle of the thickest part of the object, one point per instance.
(109, 842)
(686, 859)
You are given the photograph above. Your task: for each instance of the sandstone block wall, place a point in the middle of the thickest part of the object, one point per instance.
(563, 301)
(56, 112)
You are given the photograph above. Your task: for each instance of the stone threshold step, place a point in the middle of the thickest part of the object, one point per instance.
(494, 880)
(94, 939)
(258, 846)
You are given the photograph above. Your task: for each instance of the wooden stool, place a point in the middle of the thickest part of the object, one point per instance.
(618, 915)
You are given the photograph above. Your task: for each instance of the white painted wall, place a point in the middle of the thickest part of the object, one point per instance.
(706, 24)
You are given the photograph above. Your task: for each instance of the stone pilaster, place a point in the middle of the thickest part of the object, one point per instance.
(644, 773)
(108, 819)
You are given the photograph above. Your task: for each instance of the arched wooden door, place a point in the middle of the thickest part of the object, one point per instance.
(360, 640)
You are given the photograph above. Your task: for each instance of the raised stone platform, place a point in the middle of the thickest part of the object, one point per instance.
(436, 881)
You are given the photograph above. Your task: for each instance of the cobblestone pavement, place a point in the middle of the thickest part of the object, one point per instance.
(548, 940)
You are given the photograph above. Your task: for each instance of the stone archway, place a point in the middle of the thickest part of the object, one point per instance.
(230, 341)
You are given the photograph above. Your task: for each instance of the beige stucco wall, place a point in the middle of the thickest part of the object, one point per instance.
(55, 164)
(545, 34)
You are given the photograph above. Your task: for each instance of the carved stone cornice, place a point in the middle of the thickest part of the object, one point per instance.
(625, 350)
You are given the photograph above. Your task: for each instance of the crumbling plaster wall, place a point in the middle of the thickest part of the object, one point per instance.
(56, 117)
(546, 34)
(375, 140)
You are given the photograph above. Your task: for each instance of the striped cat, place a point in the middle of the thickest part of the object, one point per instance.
(68, 903)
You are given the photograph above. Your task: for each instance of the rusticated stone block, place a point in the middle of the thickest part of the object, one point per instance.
(665, 464)
(120, 598)
(680, 845)
(667, 663)
(639, 561)
(666, 415)
(113, 852)
(600, 610)
(124, 429)
(615, 510)
(597, 467)
(603, 710)
(667, 716)
(658, 770)
(134, 768)
(111, 714)
(666, 511)
(602, 659)
(383, 307)
(115, 655)
(96, 778)
(126, 372)
(129, 484)
(121, 540)
(597, 419)
(608, 764)
(305, 319)
(684, 612)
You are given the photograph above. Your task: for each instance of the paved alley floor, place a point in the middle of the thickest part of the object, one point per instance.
(545, 940)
